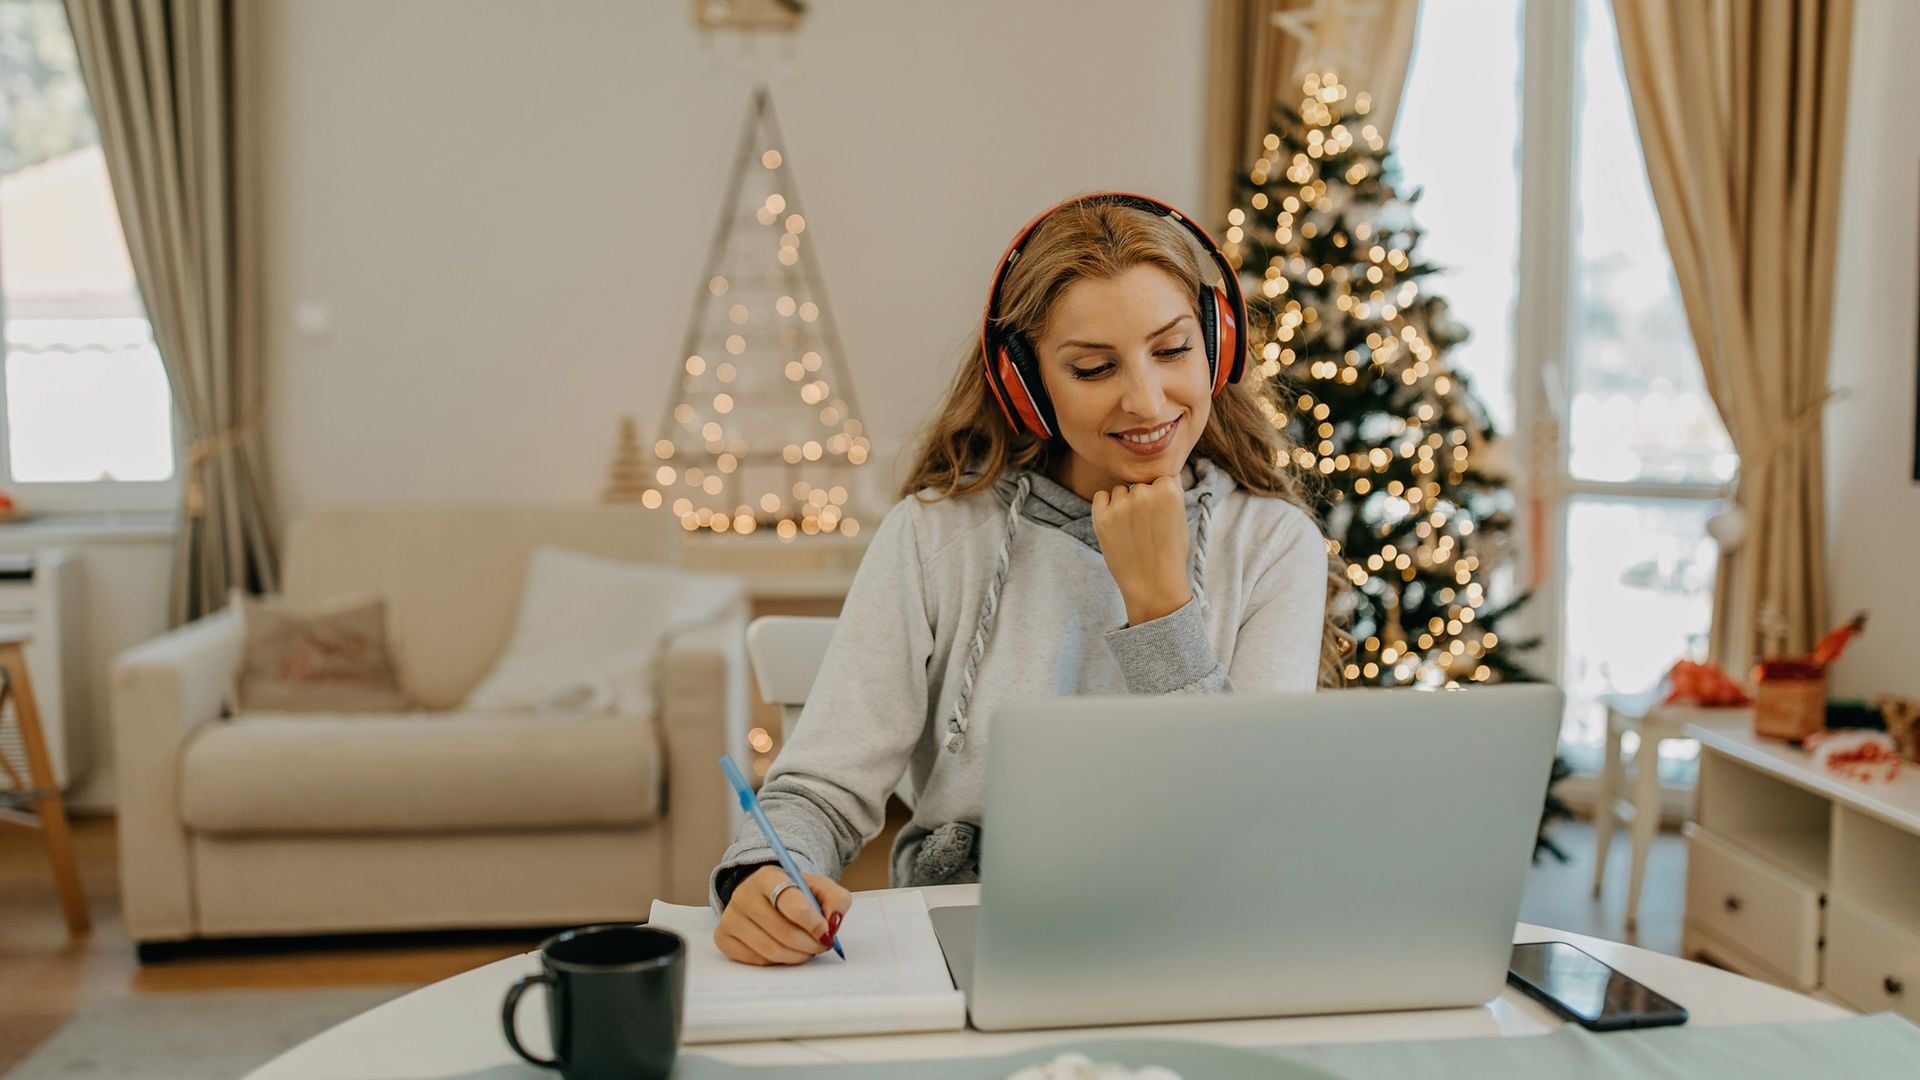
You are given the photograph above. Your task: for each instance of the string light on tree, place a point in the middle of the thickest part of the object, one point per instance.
(1352, 355)
(763, 431)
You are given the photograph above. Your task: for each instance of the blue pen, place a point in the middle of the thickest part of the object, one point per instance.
(752, 806)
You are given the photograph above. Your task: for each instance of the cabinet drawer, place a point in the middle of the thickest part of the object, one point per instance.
(1871, 964)
(1771, 914)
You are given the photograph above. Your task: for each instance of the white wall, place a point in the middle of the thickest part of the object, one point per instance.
(1873, 501)
(506, 207)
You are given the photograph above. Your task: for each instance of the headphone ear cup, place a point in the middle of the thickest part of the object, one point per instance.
(1231, 360)
(1209, 311)
(1029, 394)
(998, 370)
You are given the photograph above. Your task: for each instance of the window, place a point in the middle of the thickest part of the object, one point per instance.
(1639, 407)
(1644, 451)
(1535, 201)
(85, 413)
(1457, 139)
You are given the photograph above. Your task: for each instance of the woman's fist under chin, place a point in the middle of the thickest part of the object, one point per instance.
(1143, 537)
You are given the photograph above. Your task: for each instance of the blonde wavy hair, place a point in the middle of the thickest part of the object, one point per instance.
(968, 443)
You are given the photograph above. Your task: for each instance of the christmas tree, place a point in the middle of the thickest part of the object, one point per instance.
(763, 431)
(1396, 448)
(1353, 355)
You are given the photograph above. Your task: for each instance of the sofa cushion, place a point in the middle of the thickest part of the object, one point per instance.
(452, 574)
(418, 772)
(330, 659)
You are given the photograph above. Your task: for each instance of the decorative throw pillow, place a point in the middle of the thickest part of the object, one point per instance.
(334, 659)
(590, 631)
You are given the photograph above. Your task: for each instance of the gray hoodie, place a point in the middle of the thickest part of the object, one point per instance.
(964, 604)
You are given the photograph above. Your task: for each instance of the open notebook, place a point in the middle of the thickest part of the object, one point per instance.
(893, 979)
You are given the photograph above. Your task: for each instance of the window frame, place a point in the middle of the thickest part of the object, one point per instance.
(86, 496)
(1544, 334)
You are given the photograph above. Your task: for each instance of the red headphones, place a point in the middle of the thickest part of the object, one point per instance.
(1013, 369)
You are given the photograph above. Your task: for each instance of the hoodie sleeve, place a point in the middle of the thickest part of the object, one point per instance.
(1278, 644)
(826, 793)
(1169, 655)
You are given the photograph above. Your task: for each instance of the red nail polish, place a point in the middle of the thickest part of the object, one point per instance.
(826, 939)
(833, 924)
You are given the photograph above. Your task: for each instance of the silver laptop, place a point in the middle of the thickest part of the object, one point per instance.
(1196, 858)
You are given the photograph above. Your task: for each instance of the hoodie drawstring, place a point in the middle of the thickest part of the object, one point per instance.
(1200, 531)
(957, 725)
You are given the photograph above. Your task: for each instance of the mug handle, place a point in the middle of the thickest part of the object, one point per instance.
(507, 1016)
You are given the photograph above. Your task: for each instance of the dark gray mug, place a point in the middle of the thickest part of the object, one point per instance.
(614, 998)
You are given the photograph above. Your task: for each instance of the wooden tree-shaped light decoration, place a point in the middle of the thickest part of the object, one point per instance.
(627, 478)
(763, 432)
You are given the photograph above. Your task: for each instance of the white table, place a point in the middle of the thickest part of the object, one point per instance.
(1654, 723)
(452, 1027)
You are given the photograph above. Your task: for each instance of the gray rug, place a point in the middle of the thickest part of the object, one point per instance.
(219, 1035)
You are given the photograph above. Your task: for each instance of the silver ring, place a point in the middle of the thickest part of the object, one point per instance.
(774, 896)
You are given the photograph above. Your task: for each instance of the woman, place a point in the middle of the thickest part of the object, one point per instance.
(1098, 508)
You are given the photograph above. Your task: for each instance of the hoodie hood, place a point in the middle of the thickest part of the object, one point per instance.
(1029, 495)
(1050, 503)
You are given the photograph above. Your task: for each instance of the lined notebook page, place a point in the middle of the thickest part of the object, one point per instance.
(893, 979)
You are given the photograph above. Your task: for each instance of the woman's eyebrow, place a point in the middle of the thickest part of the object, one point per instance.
(1096, 345)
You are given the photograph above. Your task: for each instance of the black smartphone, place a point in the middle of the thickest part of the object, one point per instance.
(1582, 989)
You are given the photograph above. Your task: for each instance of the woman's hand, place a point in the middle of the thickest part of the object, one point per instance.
(751, 931)
(1143, 536)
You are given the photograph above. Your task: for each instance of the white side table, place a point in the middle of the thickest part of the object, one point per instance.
(1654, 723)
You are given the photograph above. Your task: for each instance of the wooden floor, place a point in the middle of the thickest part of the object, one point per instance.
(45, 979)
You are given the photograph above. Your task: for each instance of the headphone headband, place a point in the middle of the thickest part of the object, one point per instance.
(1013, 375)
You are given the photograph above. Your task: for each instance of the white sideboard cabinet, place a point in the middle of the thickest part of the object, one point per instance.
(1801, 877)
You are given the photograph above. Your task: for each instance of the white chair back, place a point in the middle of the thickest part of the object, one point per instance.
(786, 652)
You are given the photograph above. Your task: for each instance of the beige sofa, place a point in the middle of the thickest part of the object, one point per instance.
(278, 825)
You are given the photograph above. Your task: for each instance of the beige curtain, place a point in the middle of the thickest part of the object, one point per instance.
(162, 75)
(1742, 112)
(1253, 63)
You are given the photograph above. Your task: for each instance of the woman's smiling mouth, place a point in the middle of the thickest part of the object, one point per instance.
(1151, 441)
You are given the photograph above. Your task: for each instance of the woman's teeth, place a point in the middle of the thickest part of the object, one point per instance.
(1152, 436)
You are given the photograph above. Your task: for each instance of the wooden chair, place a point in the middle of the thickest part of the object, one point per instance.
(38, 789)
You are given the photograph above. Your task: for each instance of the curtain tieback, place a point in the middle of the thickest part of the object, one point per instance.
(1801, 423)
(200, 451)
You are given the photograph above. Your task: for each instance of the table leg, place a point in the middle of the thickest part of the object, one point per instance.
(1603, 804)
(1646, 816)
(53, 814)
